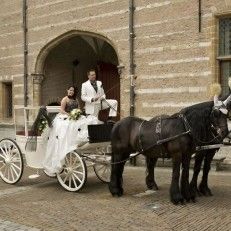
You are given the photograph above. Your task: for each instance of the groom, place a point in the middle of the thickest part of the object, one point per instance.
(93, 95)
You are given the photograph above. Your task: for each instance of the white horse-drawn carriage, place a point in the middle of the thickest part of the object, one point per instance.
(14, 156)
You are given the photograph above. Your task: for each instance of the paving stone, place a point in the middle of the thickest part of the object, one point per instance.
(44, 205)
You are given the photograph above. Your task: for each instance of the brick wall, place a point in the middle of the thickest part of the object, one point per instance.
(173, 58)
(175, 63)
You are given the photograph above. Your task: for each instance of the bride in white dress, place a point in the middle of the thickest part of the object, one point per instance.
(65, 134)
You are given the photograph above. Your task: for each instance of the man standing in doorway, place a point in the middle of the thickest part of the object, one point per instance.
(92, 93)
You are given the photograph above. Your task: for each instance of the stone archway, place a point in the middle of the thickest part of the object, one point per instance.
(65, 60)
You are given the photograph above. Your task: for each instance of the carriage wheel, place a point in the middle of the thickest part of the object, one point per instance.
(48, 174)
(11, 161)
(74, 173)
(103, 170)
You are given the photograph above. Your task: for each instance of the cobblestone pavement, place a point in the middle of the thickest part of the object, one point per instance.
(41, 204)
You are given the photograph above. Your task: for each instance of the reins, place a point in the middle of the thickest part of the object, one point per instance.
(109, 105)
(114, 163)
(188, 131)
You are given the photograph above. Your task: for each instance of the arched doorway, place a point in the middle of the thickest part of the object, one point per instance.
(67, 61)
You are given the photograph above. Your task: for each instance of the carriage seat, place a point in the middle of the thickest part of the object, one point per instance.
(100, 132)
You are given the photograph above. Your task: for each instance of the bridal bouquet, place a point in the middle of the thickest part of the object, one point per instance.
(75, 114)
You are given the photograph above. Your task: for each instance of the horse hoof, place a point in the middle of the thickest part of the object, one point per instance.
(193, 200)
(176, 199)
(205, 191)
(210, 194)
(193, 192)
(153, 187)
(182, 202)
(186, 195)
(149, 186)
(175, 202)
(120, 193)
(116, 195)
(199, 194)
(116, 192)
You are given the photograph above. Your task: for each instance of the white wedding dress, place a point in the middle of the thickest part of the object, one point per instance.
(63, 137)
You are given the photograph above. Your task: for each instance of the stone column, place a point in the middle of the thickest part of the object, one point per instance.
(37, 92)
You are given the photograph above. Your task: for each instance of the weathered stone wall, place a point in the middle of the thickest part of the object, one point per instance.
(175, 63)
(46, 21)
(11, 48)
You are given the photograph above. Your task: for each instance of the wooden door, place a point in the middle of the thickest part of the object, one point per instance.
(108, 74)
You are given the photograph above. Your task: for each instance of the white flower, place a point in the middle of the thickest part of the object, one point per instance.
(75, 114)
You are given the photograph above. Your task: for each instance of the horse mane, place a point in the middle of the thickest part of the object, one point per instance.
(198, 116)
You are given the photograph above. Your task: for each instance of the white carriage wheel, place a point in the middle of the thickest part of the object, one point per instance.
(74, 173)
(11, 161)
(103, 170)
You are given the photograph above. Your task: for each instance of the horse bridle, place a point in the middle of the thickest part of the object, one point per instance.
(214, 130)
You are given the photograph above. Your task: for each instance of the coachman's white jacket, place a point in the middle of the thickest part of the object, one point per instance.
(88, 92)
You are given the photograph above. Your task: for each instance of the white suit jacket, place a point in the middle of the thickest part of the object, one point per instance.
(88, 92)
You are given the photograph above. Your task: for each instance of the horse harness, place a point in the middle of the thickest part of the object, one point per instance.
(158, 131)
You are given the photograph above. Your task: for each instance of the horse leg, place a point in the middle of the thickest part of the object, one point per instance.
(115, 185)
(196, 170)
(185, 191)
(175, 194)
(203, 187)
(150, 178)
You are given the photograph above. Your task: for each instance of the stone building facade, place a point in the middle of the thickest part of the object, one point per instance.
(177, 52)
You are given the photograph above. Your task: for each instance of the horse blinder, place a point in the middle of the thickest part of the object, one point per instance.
(218, 116)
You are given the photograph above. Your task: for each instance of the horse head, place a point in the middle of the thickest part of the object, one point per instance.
(219, 115)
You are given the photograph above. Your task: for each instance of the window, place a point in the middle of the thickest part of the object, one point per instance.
(225, 53)
(7, 104)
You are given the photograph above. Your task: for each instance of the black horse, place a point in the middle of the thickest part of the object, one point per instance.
(200, 156)
(207, 157)
(166, 136)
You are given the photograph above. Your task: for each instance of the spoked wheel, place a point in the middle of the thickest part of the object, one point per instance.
(103, 169)
(11, 161)
(74, 173)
